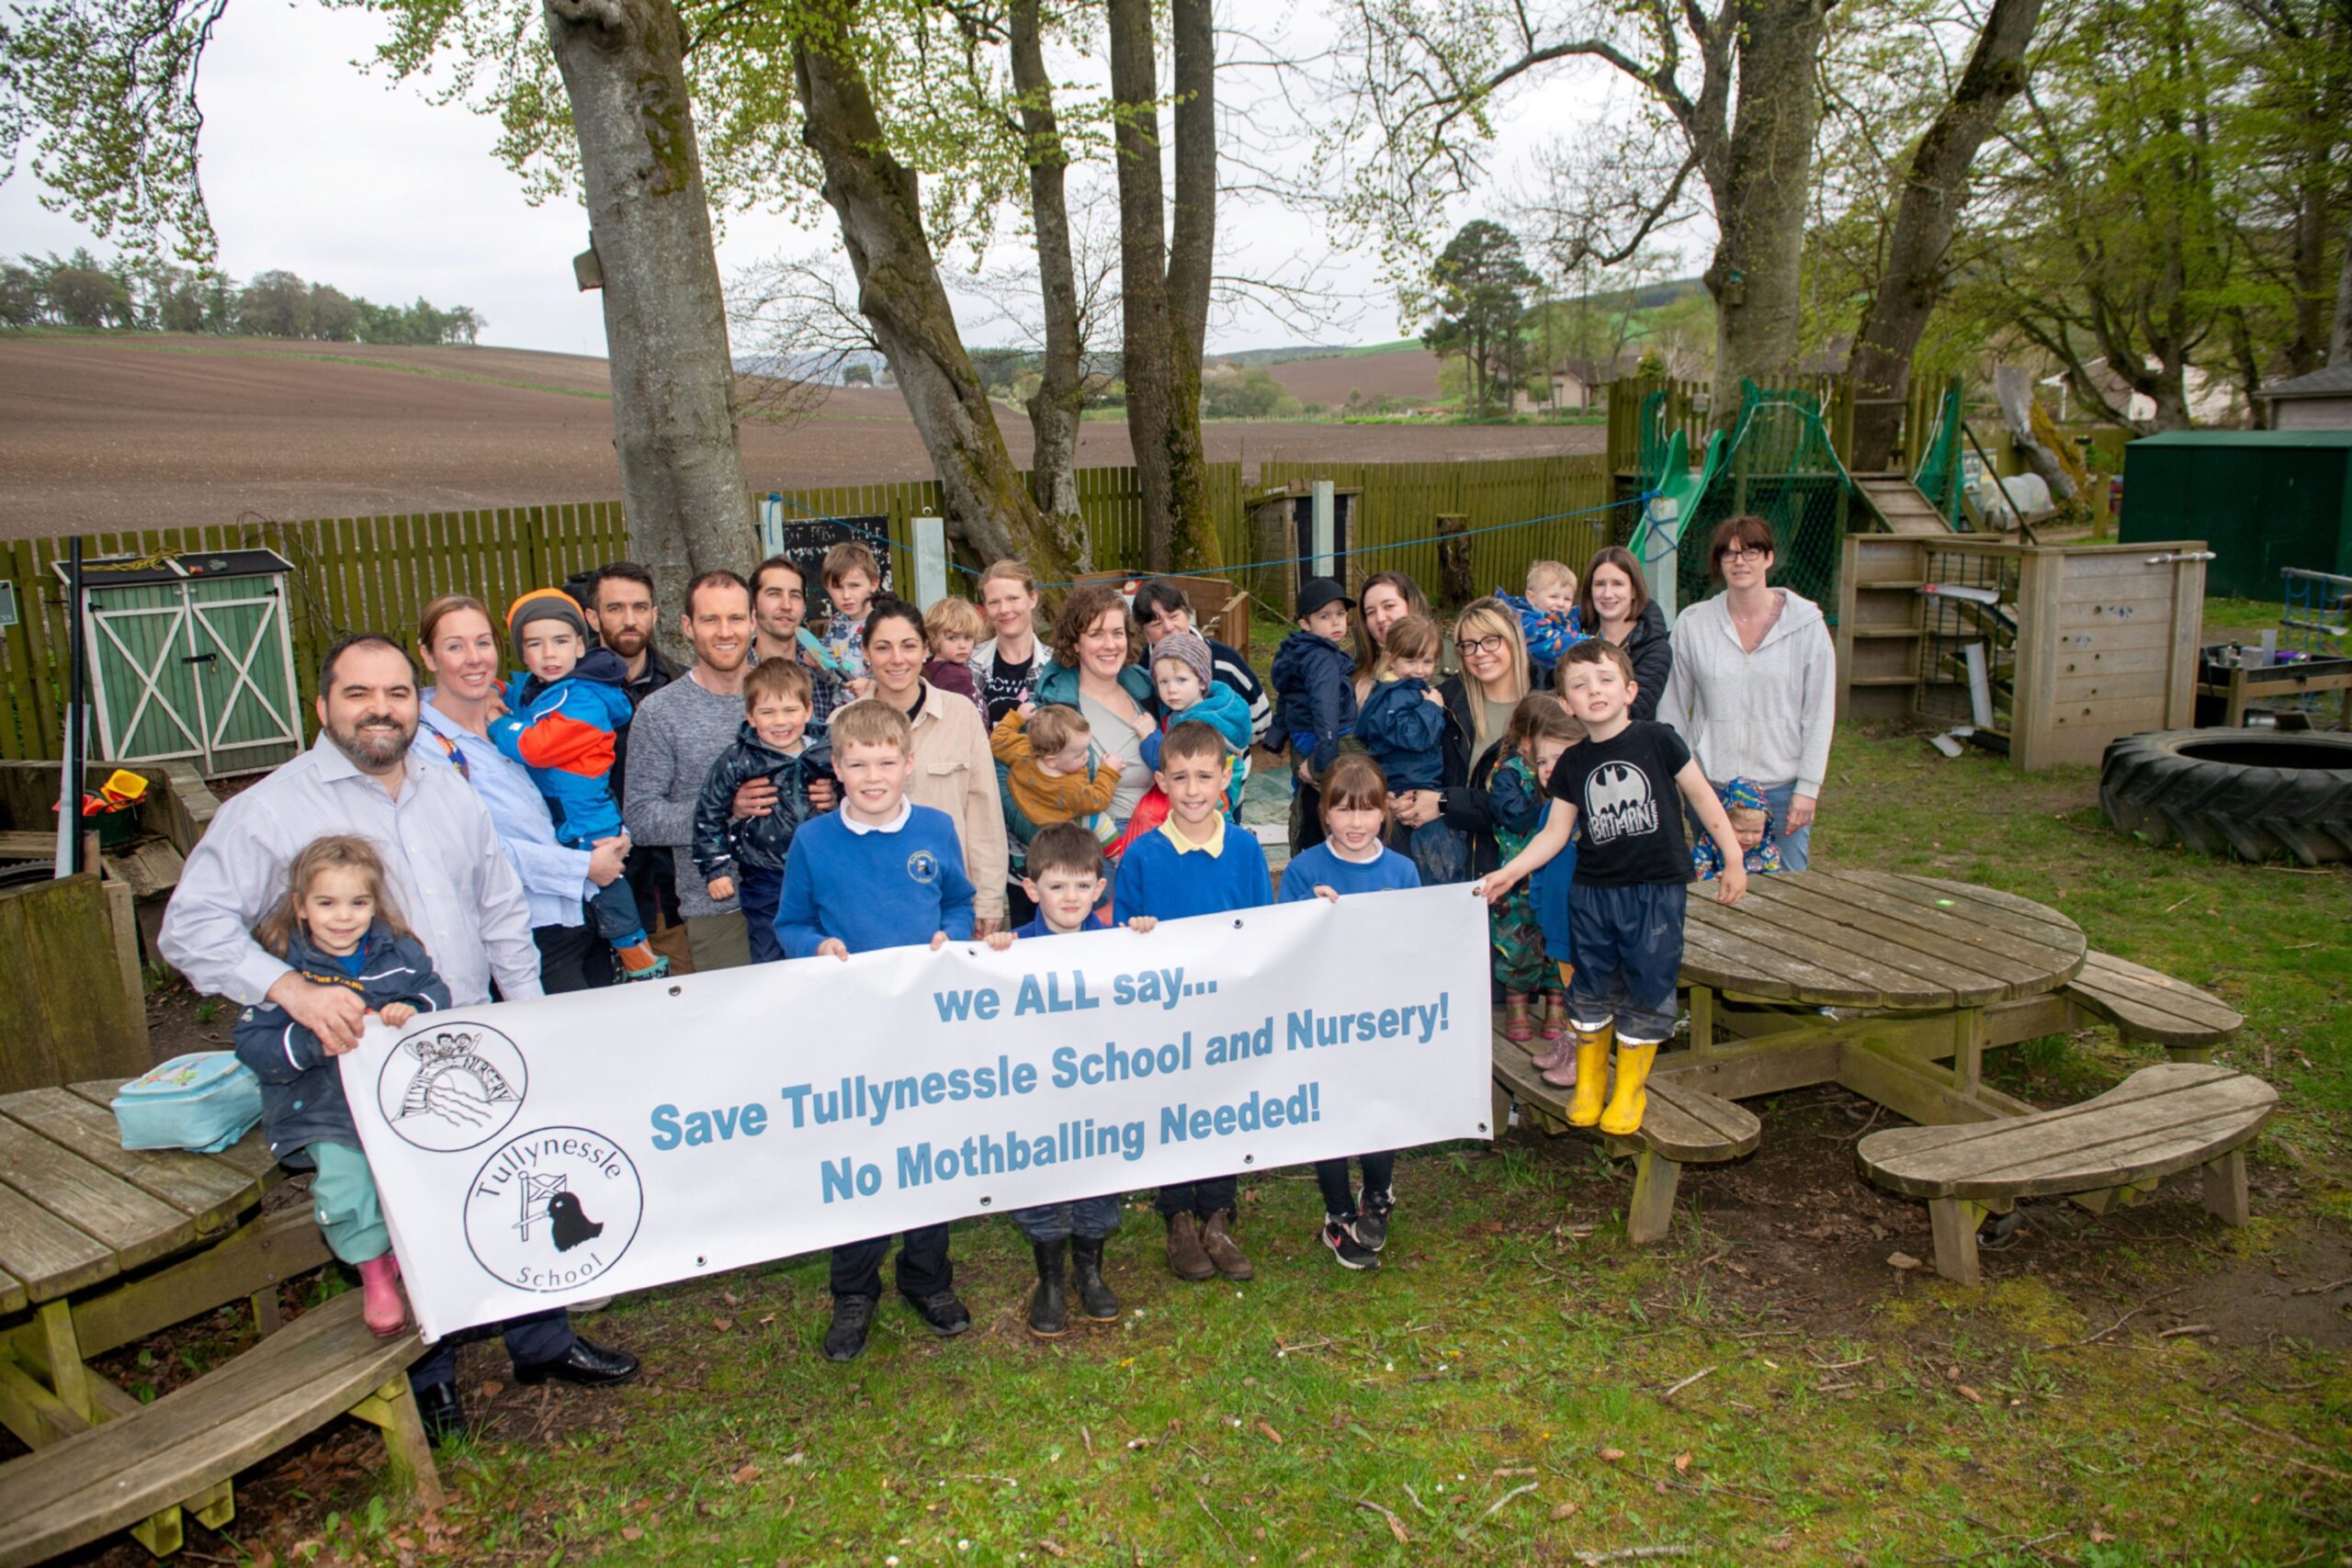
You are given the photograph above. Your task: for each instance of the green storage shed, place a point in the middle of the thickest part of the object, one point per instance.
(2261, 500)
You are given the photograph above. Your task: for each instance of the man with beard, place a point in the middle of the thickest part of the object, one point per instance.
(455, 888)
(677, 734)
(618, 599)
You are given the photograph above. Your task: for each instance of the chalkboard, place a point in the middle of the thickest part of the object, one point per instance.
(805, 540)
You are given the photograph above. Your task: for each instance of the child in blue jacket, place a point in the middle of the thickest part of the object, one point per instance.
(778, 743)
(563, 710)
(336, 926)
(1548, 618)
(1314, 684)
(1403, 726)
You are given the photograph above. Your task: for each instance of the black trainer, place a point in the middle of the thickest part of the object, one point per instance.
(1351, 1253)
(942, 1312)
(845, 1338)
(1373, 1210)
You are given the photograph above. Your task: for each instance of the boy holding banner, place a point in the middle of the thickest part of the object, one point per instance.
(1064, 879)
(882, 871)
(1195, 863)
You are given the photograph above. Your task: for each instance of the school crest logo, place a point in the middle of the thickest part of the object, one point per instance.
(923, 866)
(451, 1086)
(1618, 803)
(553, 1209)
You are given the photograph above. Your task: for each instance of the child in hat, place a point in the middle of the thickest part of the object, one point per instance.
(1314, 684)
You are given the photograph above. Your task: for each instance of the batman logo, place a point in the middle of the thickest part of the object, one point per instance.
(1618, 803)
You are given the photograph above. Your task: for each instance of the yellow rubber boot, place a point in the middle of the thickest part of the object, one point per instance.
(1629, 1101)
(1592, 1064)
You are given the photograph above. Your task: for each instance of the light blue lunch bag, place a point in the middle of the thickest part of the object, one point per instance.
(205, 1101)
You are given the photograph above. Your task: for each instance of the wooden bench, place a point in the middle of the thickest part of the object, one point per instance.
(141, 1460)
(2107, 1150)
(1683, 1125)
(2144, 1005)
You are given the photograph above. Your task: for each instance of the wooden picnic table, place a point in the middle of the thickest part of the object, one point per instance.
(1871, 979)
(101, 1245)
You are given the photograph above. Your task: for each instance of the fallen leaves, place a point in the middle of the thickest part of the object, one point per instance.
(1272, 1436)
(745, 1474)
(1901, 1260)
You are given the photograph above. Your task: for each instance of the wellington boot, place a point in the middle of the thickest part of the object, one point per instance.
(1095, 1300)
(1518, 1027)
(1049, 1303)
(1630, 1100)
(381, 1305)
(1593, 1074)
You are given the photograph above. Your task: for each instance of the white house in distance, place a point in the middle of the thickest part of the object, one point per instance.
(2320, 400)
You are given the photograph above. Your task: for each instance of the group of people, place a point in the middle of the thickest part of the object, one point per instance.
(584, 812)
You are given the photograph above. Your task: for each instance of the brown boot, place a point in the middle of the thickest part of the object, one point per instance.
(1185, 1254)
(1216, 1240)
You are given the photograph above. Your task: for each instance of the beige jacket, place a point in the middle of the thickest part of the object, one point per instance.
(956, 773)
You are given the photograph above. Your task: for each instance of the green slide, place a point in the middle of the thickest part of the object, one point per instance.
(1677, 489)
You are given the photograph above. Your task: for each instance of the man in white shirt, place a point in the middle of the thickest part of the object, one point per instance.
(455, 887)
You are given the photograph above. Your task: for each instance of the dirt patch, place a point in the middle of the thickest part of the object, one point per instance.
(1409, 374)
(99, 433)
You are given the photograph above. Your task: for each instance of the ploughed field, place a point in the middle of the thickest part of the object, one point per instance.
(144, 431)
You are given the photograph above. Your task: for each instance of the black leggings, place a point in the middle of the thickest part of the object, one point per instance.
(1332, 1175)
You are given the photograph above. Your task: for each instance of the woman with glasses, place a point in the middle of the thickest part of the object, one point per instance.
(1479, 703)
(1615, 606)
(1754, 688)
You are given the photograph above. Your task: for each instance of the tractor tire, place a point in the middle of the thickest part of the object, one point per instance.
(2257, 795)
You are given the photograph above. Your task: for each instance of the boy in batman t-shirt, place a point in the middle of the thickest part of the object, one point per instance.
(1625, 907)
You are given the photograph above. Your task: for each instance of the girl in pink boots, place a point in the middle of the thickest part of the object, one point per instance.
(336, 926)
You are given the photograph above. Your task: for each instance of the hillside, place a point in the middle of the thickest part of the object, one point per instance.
(145, 430)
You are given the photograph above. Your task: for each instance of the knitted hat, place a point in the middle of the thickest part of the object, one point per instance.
(545, 605)
(1188, 649)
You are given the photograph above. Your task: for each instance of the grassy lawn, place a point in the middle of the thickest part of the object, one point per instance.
(1507, 1388)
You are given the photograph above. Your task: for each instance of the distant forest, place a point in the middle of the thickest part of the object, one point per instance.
(81, 291)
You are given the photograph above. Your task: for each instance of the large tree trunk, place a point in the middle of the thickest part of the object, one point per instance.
(989, 512)
(1761, 185)
(665, 315)
(1165, 298)
(1192, 266)
(2339, 346)
(1060, 399)
(1934, 192)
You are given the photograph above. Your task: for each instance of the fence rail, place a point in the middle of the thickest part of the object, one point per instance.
(375, 573)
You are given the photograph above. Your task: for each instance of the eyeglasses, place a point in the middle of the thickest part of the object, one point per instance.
(1492, 643)
(1743, 554)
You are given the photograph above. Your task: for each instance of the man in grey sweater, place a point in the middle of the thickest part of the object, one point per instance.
(678, 732)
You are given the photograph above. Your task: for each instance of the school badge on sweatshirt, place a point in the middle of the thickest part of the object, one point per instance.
(923, 866)
(553, 1209)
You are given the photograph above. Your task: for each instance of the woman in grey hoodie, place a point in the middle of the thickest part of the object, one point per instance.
(1753, 689)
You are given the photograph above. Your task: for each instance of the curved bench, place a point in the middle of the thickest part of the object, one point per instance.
(2145, 1005)
(1682, 1126)
(144, 1459)
(2113, 1148)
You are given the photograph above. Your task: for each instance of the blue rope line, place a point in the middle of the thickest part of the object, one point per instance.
(1644, 499)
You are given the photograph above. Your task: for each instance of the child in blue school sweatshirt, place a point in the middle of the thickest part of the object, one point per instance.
(1352, 859)
(1196, 862)
(881, 872)
(1063, 877)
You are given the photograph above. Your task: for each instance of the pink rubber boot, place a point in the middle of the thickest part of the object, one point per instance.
(382, 1304)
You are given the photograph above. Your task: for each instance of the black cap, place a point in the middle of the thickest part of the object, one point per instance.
(1317, 592)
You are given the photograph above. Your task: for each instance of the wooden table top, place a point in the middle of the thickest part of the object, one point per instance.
(76, 1208)
(1867, 939)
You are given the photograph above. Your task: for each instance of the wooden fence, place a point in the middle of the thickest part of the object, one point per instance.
(375, 573)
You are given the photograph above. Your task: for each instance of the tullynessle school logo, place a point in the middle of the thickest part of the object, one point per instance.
(553, 1209)
(451, 1086)
(923, 866)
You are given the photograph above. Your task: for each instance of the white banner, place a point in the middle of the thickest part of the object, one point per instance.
(539, 1153)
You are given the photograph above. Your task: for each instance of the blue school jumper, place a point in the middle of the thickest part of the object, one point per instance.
(890, 886)
(1320, 867)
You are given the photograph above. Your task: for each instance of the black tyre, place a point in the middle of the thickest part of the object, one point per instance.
(2257, 795)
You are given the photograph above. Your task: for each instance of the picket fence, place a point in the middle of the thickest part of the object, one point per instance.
(375, 573)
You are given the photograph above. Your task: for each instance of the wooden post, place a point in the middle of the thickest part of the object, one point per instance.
(1649, 1214)
(1954, 1222)
(1455, 587)
(2225, 1187)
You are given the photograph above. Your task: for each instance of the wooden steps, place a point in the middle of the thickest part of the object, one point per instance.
(2110, 1149)
(1900, 504)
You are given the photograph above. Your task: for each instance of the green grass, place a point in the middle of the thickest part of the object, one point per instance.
(1516, 1341)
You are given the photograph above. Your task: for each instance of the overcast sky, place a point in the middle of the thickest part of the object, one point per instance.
(313, 165)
